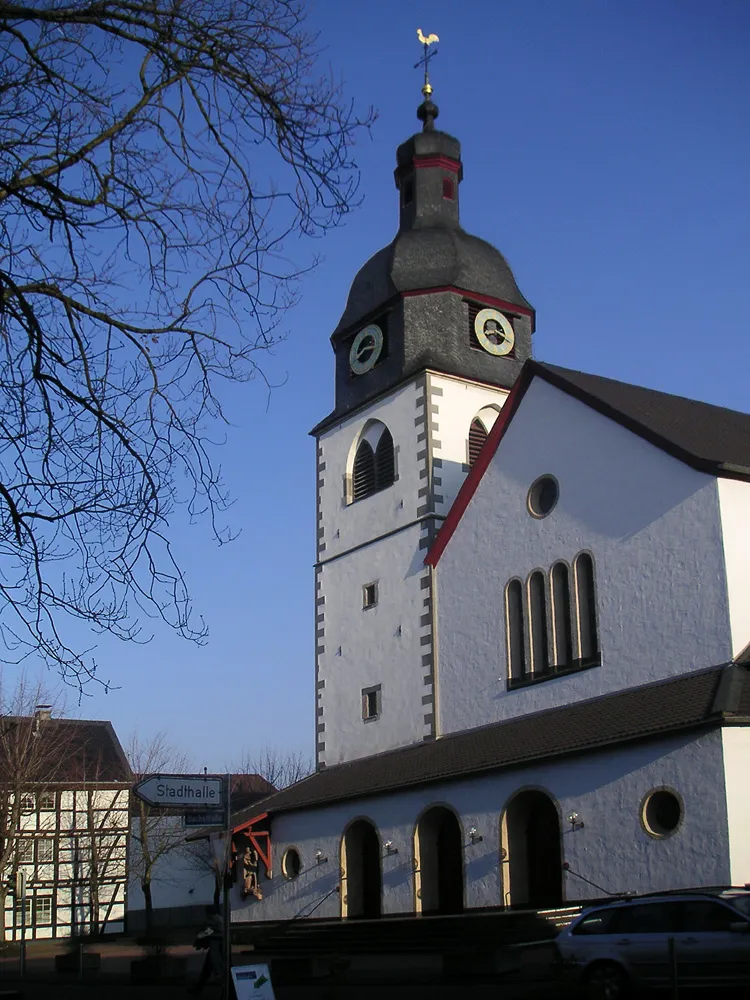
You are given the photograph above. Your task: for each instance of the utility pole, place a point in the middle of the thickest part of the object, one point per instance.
(227, 909)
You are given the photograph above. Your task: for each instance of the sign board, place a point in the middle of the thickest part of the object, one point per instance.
(184, 790)
(204, 817)
(252, 982)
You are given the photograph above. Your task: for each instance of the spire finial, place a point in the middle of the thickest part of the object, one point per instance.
(427, 112)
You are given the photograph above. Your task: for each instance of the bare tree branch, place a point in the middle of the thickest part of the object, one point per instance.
(156, 159)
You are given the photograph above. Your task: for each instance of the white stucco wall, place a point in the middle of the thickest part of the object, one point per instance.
(612, 849)
(734, 504)
(175, 882)
(652, 525)
(736, 744)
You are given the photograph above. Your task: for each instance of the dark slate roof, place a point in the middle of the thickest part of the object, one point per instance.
(720, 694)
(710, 438)
(62, 751)
(429, 257)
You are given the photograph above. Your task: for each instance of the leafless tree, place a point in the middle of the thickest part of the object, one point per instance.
(156, 833)
(158, 159)
(32, 755)
(279, 768)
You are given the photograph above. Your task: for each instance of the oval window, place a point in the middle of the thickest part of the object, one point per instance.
(291, 863)
(662, 812)
(543, 495)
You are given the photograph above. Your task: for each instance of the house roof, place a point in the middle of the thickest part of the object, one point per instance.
(709, 438)
(60, 751)
(705, 697)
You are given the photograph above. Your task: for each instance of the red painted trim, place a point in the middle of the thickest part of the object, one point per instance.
(437, 161)
(486, 299)
(479, 468)
(264, 855)
(249, 822)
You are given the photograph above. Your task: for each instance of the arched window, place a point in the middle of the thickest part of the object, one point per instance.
(538, 623)
(514, 618)
(374, 466)
(384, 463)
(561, 627)
(588, 634)
(363, 475)
(477, 437)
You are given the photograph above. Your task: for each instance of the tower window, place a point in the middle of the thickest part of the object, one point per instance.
(407, 192)
(449, 189)
(374, 466)
(369, 595)
(371, 703)
(477, 437)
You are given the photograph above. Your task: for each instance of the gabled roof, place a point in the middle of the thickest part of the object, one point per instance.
(705, 697)
(61, 751)
(709, 438)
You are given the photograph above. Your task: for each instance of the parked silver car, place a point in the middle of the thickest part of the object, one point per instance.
(698, 938)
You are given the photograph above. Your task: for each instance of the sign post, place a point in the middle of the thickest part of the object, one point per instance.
(21, 894)
(227, 888)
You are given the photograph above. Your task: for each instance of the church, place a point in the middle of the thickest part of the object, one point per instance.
(532, 606)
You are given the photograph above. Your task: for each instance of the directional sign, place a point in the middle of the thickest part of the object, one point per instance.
(204, 817)
(198, 791)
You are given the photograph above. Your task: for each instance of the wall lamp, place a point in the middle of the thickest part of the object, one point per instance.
(320, 858)
(575, 822)
(475, 837)
(389, 848)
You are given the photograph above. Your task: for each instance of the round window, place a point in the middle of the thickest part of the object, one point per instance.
(291, 863)
(543, 495)
(662, 812)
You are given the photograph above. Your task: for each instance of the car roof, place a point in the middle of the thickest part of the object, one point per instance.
(716, 892)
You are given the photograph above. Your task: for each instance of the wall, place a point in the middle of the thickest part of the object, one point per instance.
(652, 526)
(613, 848)
(734, 504)
(736, 744)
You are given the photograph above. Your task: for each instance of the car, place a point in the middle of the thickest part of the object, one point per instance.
(697, 938)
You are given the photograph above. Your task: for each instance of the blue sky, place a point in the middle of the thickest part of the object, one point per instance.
(607, 154)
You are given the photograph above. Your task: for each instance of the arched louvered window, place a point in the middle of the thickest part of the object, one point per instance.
(384, 463)
(477, 437)
(588, 633)
(514, 618)
(363, 474)
(561, 621)
(538, 623)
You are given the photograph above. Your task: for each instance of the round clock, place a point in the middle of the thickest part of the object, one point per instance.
(494, 332)
(366, 348)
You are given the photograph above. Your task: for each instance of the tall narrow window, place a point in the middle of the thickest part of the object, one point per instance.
(477, 437)
(385, 467)
(538, 624)
(514, 616)
(563, 654)
(363, 475)
(588, 636)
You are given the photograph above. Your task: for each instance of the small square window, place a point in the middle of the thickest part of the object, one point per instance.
(371, 703)
(369, 595)
(45, 850)
(47, 801)
(21, 906)
(449, 189)
(25, 852)
(43, 910)
(28, 802)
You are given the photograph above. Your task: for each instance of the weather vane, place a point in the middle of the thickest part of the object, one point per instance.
(427, 41)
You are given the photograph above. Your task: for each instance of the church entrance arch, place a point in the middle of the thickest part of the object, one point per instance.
(532, 845)
(362, 876)
(440, 862)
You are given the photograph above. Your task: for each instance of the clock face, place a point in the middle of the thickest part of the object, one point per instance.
(366, 348)
(494, 332)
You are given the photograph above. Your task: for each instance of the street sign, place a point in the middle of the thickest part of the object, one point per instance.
(204, 817)
(252, 982)
(184, 790)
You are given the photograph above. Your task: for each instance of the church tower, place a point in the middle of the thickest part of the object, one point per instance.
(433, 336)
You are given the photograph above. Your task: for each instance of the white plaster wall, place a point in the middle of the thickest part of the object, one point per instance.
(652, 525)
(736, 743)
(734, 504)
(345, 526)
(606, 789)
(459, 403)
(174, 881)
(379, 645)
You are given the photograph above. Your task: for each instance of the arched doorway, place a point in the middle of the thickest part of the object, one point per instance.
(362, 886)
(440, 859)
(531, 834)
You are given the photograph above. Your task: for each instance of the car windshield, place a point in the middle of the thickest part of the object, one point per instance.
(740, 902)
